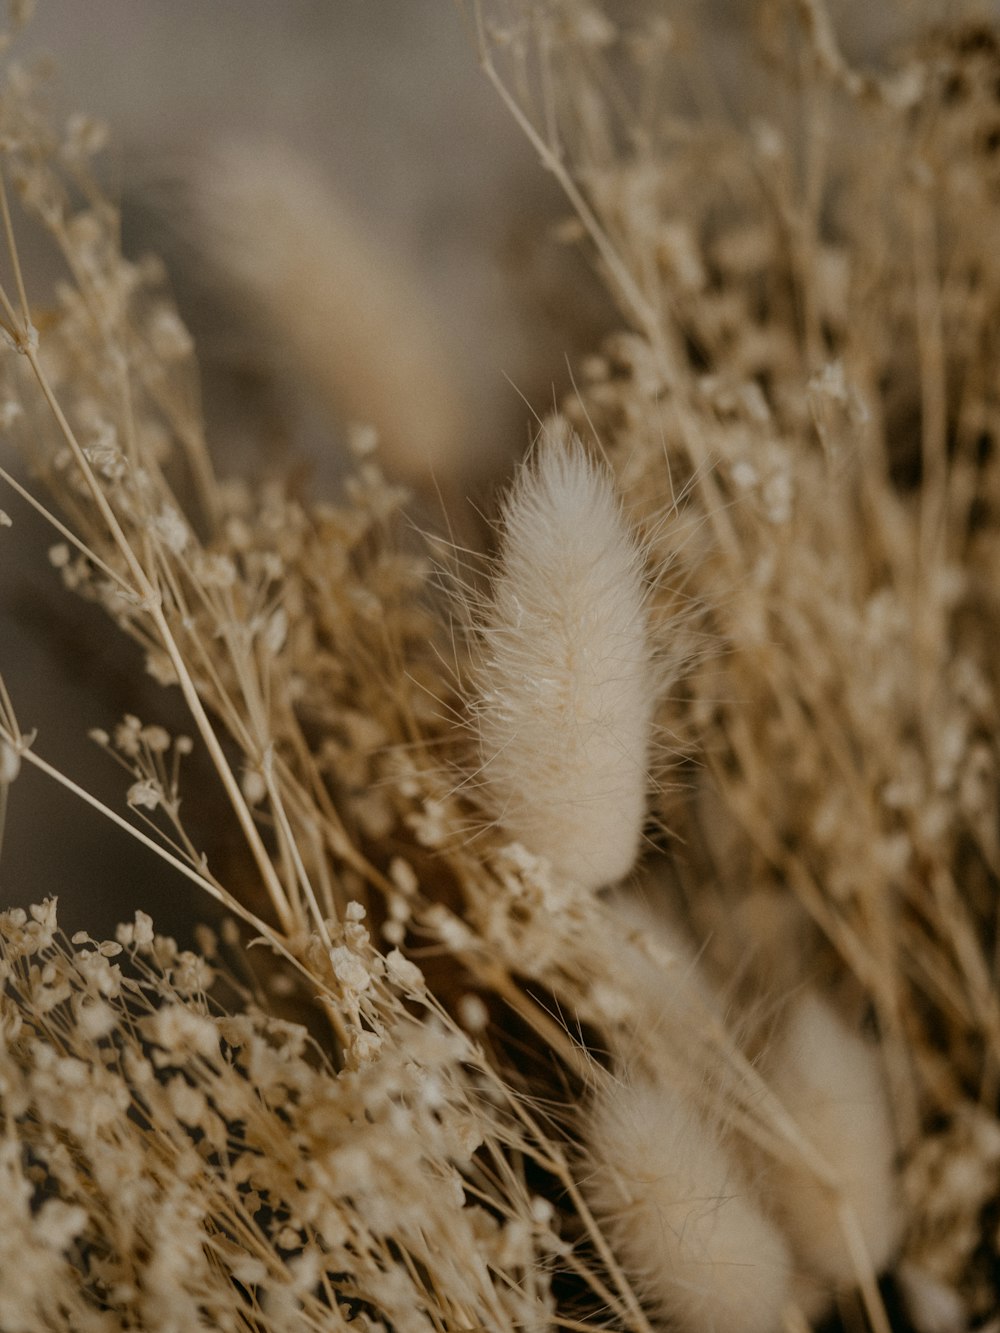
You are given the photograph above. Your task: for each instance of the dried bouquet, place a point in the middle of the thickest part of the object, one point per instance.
(606, 925)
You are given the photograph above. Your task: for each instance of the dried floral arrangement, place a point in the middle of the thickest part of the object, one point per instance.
(611, 918)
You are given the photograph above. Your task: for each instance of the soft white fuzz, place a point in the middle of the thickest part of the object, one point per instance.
(830, 1080)
(670, 994)
(565, 680)
(343, 309)
(679, 1215)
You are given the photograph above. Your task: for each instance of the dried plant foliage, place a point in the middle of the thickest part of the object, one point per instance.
(459, 1084)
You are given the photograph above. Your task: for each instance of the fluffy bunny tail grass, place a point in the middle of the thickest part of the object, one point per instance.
(830, 1080)
(679, 1214)
(345, 310)
(565, 680)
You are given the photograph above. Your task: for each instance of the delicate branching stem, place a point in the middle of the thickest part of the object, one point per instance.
(636, 306)
(14, 258)
(153, 605)
(867, 1277)
(67, 534)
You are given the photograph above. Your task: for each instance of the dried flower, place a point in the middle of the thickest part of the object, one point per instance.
(565, 683)
(680, 1214)
(831, 1083)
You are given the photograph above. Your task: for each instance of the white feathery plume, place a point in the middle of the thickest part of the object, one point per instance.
(830, 1080)
(346, 310)
(565, 681)
(679, 1213)
(669, 992)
